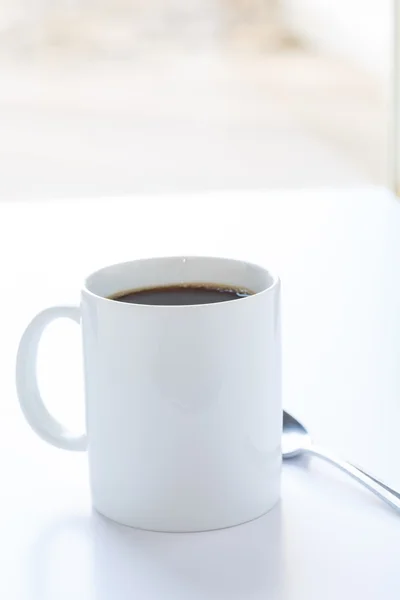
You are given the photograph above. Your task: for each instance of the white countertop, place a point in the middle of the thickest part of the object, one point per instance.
(338, 254)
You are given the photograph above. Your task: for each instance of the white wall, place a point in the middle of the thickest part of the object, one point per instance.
(360, 30)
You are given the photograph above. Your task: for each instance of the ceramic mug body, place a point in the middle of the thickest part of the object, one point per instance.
(183, 403)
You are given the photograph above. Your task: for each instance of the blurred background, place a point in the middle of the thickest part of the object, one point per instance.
(102, 97)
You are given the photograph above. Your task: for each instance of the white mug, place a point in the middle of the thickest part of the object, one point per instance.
(183, 403)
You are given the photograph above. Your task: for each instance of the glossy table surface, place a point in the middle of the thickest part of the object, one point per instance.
(338, 254)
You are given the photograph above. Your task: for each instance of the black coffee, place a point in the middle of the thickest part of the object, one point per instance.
(184, 294)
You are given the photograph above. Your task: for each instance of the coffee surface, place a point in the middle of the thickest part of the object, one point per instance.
(182, 295)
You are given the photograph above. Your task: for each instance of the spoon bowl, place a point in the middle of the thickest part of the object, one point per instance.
(295, 437)
(296, 441)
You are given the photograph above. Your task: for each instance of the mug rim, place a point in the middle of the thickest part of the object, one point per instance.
(275, 280)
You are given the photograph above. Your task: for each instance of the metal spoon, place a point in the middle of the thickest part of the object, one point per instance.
(296, 440)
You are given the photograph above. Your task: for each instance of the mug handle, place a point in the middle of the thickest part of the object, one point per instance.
(35, 412)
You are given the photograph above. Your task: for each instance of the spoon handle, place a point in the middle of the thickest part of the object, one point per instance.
(379, 488)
